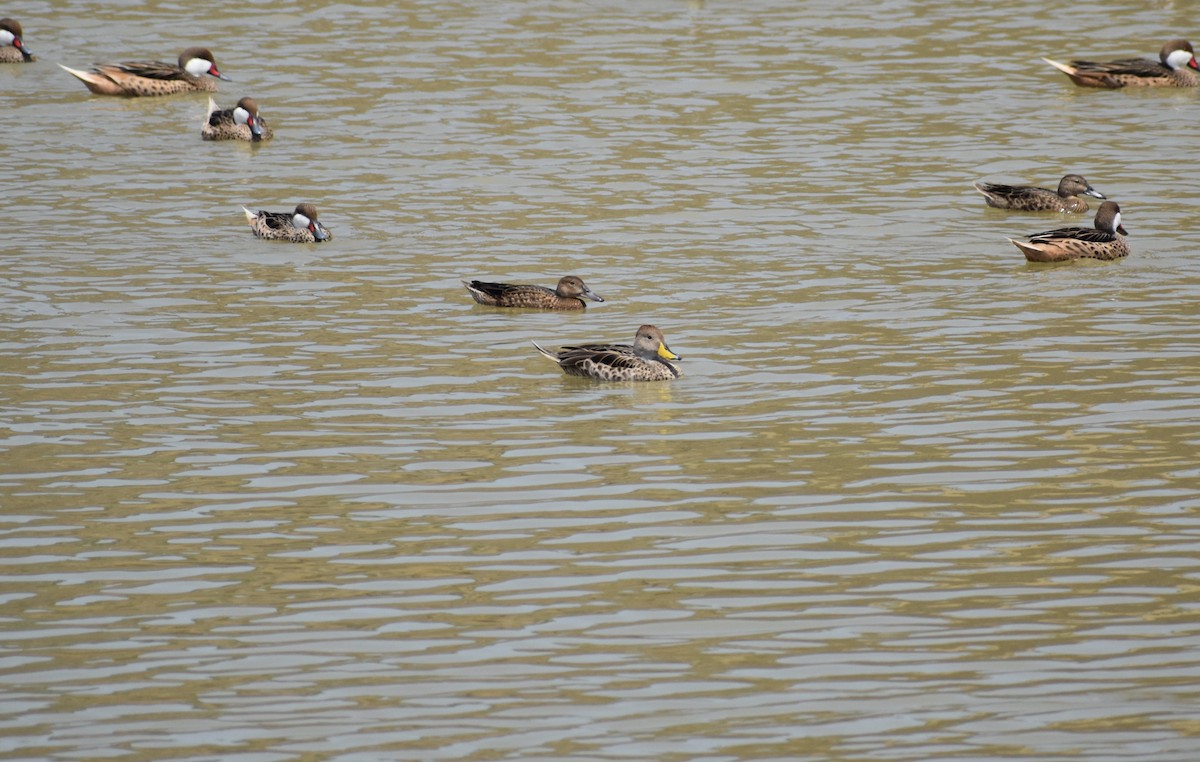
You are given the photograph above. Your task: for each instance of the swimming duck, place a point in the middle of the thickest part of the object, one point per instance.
(568, 295)
(241, 122)
(12, 47)
(646, 360)
(1028, 198)
(147, 78)
(1170, 70)
(300, 226)
(1064, 244)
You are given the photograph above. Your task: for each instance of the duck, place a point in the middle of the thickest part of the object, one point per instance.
(1104, 241)
(569, 294)
(241, 122)
(301, 226)
(152, 78)
(1176, 67)
(12, 44)
(1029, 198)
(648, 359)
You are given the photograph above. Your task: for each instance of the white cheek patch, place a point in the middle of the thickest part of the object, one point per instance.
(1179, 59)
(241, 115)
(6, 37)
(198, 66)
(300, 221)
(1117, 221)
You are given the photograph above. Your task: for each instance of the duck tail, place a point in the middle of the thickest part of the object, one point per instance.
(545, 352)
(985, 192)
(479, 296)
(1031, 252)
(1070, 71)
(95, 82)
(1085, 78)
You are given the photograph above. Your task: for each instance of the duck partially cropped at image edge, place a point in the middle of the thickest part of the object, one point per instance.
(12, 43)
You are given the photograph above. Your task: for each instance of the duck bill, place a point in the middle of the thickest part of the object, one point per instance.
(590, 294)
(25, 52)
(255, 128)
(1192, 63)
(319, 232)
(213, 71)
(1121, 230)
(666, 353)
(1093, 193)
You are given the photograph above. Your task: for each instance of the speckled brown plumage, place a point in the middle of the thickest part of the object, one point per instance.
(1028, 198)
(567, 295)
(12, 43)
(300, 226)
(646, 360)
(153, 78)
(1175, 67)
(242, 122)
(1104, 241)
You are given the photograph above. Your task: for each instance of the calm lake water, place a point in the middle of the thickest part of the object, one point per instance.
(913, 498)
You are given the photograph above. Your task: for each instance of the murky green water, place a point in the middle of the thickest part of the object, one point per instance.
(913, 499)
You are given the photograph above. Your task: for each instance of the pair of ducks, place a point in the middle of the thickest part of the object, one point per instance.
(648, 358)
(154, 78)
(1062, 244)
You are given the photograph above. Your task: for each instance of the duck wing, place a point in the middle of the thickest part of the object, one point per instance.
(151, 69)
(276, 220)
(1088, 235)
(1130, 67)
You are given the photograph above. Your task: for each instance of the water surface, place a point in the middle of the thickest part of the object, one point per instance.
(913, 498)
